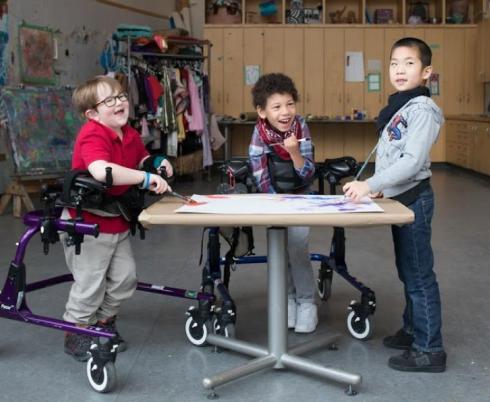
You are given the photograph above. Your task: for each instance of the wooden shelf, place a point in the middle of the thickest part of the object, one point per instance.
(351, 12)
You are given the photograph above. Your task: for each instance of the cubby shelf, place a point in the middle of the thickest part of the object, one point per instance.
(350, 12)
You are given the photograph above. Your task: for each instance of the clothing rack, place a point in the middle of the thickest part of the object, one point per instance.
(149, 61)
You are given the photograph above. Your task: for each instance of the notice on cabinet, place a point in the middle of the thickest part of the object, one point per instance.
(354, 67)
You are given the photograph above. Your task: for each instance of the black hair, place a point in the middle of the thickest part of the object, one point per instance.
(270, 84)
(425, 53)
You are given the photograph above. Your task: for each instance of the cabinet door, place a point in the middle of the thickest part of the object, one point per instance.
(454, 71)
(334, 71)
(435, 39)
(353, 91)
(253, 55)
(373, 50)
(314, 73)
(294, 60)
(486, 149)
(233, 71)
(273, 50)
(473, 90)
(215, 68)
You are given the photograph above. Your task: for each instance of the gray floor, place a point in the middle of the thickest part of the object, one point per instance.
(161, 365)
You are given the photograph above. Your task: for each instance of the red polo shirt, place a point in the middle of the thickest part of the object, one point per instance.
(98, 142)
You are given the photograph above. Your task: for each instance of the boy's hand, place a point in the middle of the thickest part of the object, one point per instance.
(291, 145)
(379, 194)
(356, 190)
(158, 185)
(167, 167)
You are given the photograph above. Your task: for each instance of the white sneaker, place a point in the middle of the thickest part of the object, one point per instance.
(291, 313)
(306, 318)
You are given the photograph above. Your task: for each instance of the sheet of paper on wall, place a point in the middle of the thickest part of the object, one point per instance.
(252, 74)
(273, 204)
(374, 82)
(354, 67)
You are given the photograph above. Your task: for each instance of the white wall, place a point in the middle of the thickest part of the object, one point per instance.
(83, 26)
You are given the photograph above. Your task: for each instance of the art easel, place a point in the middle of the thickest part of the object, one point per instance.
(18, 191)
(39, 130)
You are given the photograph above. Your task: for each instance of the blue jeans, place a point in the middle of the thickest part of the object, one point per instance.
(415, 262)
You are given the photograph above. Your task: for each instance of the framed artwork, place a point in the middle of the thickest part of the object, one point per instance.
(36, 55)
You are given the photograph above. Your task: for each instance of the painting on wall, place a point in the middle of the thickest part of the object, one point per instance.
(36, 51)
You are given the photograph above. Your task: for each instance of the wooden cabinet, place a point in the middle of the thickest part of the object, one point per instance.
(459, 143)
(334, 71)
(463, 92)
(483, 51)
(314, 61)
(215, 68)
(232, 71)
(353, 91)
(480, 160)
(468, 145)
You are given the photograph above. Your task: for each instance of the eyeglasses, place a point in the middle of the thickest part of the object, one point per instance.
(110, 101)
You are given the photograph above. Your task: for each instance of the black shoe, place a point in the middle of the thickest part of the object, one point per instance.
(417, 361)
(110, 325)
(401, 340)
(78, 346)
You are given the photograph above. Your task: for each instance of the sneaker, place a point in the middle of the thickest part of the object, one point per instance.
(417, 361)
(291, 313)
(401, 340)
(78, 346)
(110, 325)
(306, 318)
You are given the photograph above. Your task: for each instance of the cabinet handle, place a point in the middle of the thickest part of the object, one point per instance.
(307, 98)
(468, 98)
(227, 98)
(340, 100)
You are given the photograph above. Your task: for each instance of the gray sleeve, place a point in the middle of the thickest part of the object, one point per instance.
(423, 132)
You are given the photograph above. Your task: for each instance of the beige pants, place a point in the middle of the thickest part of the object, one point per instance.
(104, 275)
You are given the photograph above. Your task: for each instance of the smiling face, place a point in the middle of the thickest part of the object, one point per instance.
(279, 110)
(406, 69)
(115, 116)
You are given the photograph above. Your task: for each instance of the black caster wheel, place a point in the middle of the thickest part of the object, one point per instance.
(324, 283)
(102, 379)
(227, 330)
(359, 328)
(196, 333)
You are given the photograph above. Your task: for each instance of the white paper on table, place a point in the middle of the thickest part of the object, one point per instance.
(273, 204)
(354, 67)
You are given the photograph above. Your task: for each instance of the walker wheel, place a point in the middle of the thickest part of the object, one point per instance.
(102, 379)
(361, 329)
(324, 282)
(227, 331)
(196, 333)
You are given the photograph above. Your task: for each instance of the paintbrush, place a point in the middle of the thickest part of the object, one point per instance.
(182, 197)
(358, 174)
(282, 143)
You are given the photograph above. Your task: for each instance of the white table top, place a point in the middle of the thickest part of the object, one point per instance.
(163, 213)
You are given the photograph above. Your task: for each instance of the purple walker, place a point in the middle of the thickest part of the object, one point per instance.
(101, 371)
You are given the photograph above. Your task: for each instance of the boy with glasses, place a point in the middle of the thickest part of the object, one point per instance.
(104, 272)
